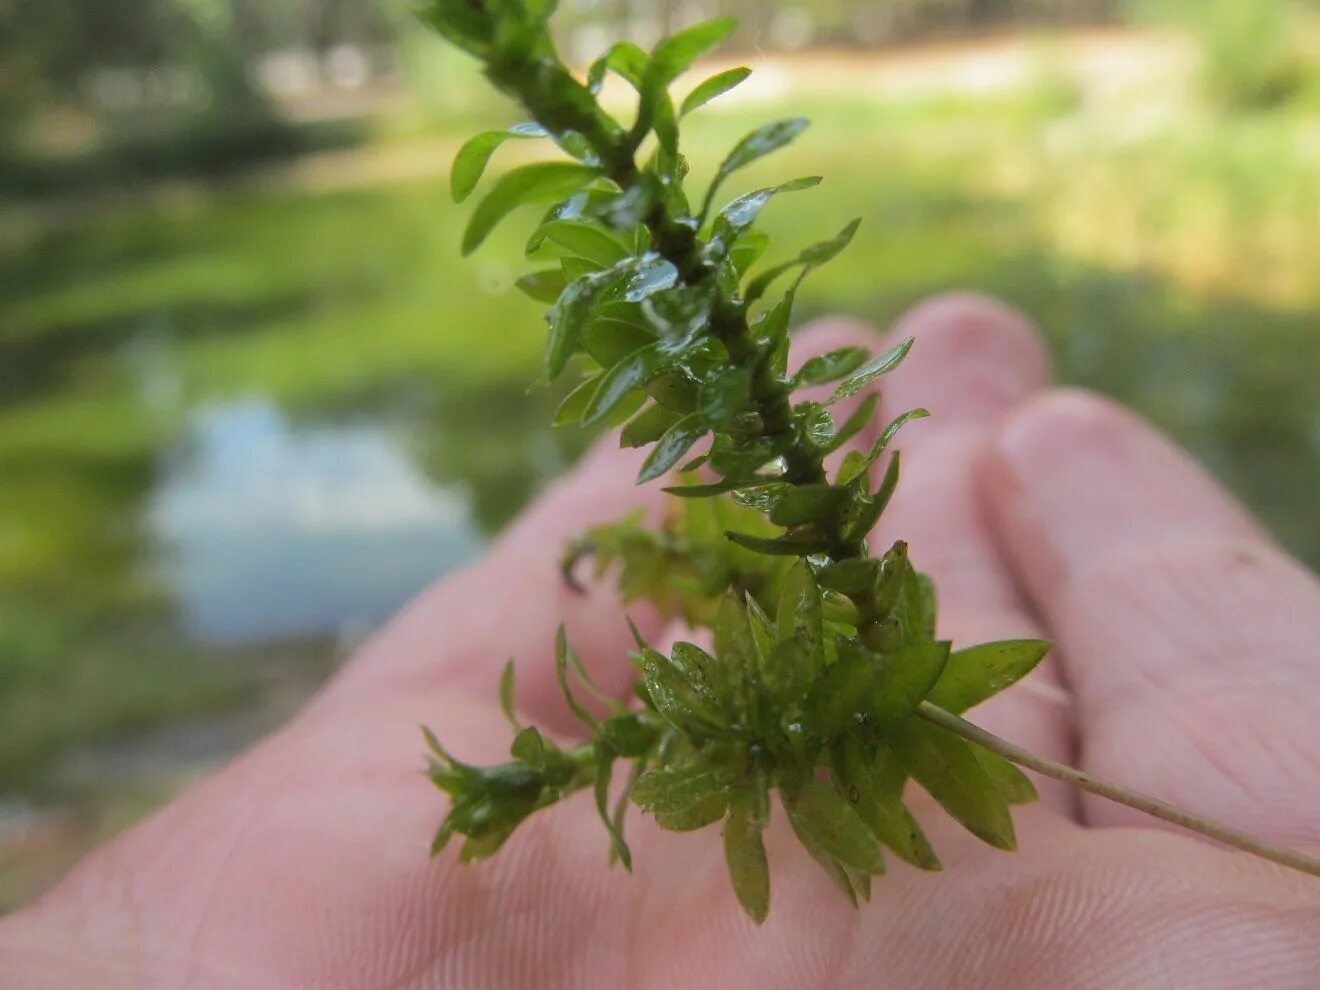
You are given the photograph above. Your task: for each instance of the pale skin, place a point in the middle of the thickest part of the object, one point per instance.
(1187, 665)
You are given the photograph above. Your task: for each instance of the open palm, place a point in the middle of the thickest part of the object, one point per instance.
(1187, 665)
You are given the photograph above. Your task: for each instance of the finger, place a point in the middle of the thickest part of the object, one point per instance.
(458, 634)
(972, 361)
(1189, 640)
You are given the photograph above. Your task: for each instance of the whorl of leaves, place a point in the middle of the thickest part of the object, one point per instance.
(820, 656)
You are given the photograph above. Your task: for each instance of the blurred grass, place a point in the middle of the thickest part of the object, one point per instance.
(1167, 256)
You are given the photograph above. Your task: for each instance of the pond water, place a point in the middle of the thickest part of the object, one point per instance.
(271, 529)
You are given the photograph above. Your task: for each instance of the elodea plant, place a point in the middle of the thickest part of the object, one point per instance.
(825, 683)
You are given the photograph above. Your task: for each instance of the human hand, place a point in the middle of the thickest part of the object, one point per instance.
(1186, 666)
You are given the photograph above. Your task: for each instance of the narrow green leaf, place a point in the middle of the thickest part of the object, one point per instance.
(671, 447)
(856, 466)
(506, 694)
(906, 679)
(738, 655)
(915, 609)
(654, 275)
(638, 639)
(760, 495)
(737, 218)
(569, 313)
(773, 329)
(878, 804)
(674, 390)
(529, 747)
(760, 142)
(472, 158)
(664, 122)
(814, 425)
(575, 267)
(604, 770)
(442, 836)
(819, 253)
(809, 260)
(712, 87)
(627, 735)
(540, 11)
(585, 204)
(872, 370)
(433, 743)
(733, 638)
(1013, 784)
(762, 629)
(613, 331)
(622, 802)
(703, 491)
(587, 241)
(675, 697)
(843, 690)
(978, 672)
(536, 183)
(700, 670)
(853, 425)
(832, 867)
(798, 616)
(724, 395)
(625, 59)
(784, 546)
(562, 660)
(476, 849)
(850, 576)
(861, 883)
(744, 852)
(570, 410)
(543, 286)
(648, 426)
(747, 250)
(830, 823)
(631, 373)
(894, 565)
(705, 812)
(672, 55)
(808, 503)
(829, 367)
(679, 788)
(865, 511)
(948, 769)
(740, 460)
(467, 27)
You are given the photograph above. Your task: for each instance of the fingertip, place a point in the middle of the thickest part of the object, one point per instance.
(973, 358)
(1073, 477)
(829, 333)
(1062, 416)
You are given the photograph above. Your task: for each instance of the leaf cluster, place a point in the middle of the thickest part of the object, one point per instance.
(819, 656)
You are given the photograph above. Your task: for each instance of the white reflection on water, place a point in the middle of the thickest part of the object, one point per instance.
(271, 529)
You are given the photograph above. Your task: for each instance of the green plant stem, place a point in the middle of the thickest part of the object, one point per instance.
(678, 244)
(1162, 810)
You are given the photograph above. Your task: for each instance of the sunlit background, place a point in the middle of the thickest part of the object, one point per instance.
(251, 399)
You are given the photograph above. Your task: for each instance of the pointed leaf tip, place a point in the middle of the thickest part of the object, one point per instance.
(536, 183)
(744, 853)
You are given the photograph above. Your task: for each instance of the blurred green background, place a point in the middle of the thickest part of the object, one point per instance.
(248, 397)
